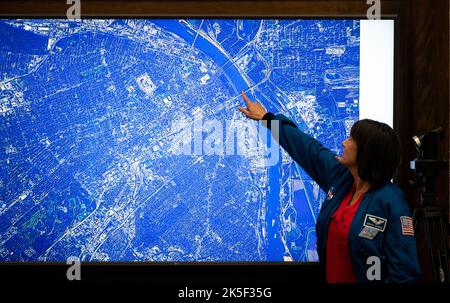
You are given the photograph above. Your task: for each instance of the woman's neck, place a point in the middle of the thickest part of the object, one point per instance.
(361, 186)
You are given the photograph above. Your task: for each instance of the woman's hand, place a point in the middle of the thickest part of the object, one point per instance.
(254, 110)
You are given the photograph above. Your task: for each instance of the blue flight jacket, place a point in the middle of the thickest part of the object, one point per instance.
(381, 226)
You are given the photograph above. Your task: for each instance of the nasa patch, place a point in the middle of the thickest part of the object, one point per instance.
(368, 232)
(330, 193)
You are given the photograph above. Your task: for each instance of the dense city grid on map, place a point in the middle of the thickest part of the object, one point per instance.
(86, 124)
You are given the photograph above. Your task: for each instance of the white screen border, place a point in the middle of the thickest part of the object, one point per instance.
(376, 87)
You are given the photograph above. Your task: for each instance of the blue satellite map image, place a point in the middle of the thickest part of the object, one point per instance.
(90, 115)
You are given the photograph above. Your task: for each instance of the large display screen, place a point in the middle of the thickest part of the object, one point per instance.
(121, 140)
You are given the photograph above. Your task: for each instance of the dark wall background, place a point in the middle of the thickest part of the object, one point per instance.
(422, 59)
(423, 98)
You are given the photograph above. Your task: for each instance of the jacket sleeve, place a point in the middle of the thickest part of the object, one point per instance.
(318, 161)
(400, 246)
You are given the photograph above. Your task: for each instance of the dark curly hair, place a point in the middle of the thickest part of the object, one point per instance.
(379, 151)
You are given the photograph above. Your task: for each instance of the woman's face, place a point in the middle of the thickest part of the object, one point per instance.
(348, 157)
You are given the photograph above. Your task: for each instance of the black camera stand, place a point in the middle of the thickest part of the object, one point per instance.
(432, 218)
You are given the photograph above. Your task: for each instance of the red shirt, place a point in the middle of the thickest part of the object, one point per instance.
(338, 260)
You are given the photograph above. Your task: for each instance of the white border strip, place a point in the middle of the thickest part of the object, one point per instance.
(376, 86)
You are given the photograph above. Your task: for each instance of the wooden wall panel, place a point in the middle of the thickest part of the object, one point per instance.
(427, 85)
(197, 8)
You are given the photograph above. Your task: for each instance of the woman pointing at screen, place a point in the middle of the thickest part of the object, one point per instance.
(364, 228)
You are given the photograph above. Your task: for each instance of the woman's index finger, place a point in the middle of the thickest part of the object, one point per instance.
(246, 99)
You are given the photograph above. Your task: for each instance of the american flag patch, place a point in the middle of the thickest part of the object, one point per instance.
(407, 226)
